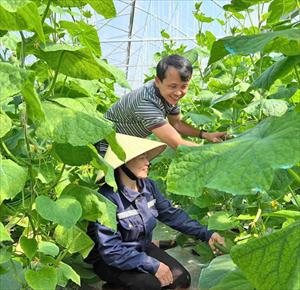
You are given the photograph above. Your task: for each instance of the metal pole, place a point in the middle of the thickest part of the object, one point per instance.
(129, 35)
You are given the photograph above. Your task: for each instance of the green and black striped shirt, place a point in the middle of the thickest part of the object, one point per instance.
(141, 111)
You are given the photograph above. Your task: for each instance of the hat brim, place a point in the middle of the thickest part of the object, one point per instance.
(133, 147)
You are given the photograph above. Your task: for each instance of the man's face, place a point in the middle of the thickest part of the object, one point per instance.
(172, 88)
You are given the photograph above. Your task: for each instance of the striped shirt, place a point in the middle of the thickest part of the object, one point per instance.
(141, 111)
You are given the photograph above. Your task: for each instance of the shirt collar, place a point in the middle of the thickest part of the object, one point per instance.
(157, 92)
(130, 194)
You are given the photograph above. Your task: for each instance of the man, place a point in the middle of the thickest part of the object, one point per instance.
(144, 110)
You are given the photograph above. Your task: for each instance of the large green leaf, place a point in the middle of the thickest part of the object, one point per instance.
(279, 8)
(13, 277)
(244, 165)
(271, 262)
(72, 155)
(191, 55)
(14, 80)
(65, 125)
(64, 211)
(20, 15)
(13, 178)
(85, 33)
(5, 122)
(11, 80)
(289, 214)
(74, 239)
(278, 70)
(118, 74)
(45, 278)
(103, 7)
(77, 62)
(247, 44)
(269, 107)
(234, 280)
(66, 273)
(95, 207)
(219, 269)
(240, 5)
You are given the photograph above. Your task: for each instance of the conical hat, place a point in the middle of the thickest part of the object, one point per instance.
(133, 147)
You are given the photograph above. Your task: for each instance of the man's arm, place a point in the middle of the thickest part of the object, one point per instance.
(181, 127)
(167, 134)
(187, 130)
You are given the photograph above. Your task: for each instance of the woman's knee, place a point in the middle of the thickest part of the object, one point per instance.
(144, 282)
(181, 278)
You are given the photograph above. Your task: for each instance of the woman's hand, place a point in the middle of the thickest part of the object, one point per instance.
(164, 275)
(216, 238)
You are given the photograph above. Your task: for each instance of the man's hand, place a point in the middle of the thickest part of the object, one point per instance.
(216, 238)
(164, 275)
(216, 137)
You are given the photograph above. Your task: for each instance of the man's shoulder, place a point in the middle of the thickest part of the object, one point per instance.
(147, 91)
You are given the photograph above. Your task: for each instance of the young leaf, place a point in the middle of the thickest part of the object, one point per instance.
(244, 165)
(74, 239)
(5, 122)
(48, 248)
(29, 246)
(4, 235)
(221, 221)
(271, 262)
(13, 178)
(95, 207)
(85, 33)
(66, 273)
(45, 277)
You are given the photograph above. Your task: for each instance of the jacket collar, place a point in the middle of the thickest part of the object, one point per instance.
(130, 194)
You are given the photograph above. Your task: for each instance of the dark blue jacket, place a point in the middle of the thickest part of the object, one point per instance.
(137, 213)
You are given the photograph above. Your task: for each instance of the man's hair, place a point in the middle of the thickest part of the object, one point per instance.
(181, 64)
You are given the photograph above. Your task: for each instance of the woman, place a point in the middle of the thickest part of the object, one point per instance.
(127, 257)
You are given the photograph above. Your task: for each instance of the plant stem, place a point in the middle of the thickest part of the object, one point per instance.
(294, 174)
(294, 196)
(250, 19)
(29, 156)
(63, 254)
(32, 224)
(22, 52)
(46, 11)
(297, 75)
(11, 156)
(55, 75)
